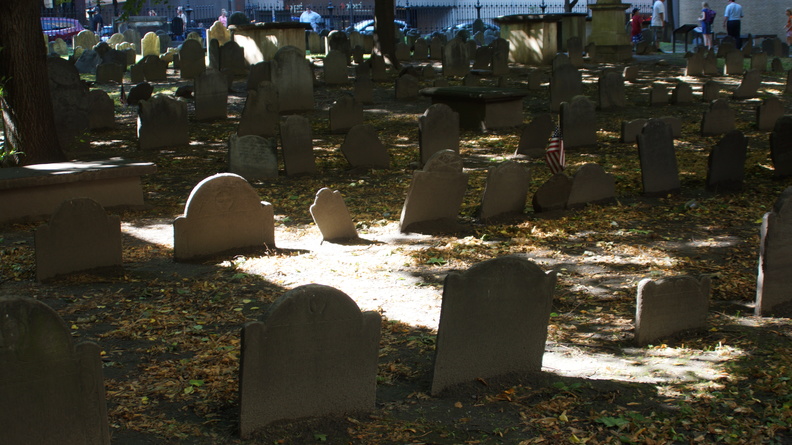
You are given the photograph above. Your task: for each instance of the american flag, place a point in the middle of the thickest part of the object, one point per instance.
(554, 155)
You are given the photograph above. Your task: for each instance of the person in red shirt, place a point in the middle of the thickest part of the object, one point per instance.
(636, 27)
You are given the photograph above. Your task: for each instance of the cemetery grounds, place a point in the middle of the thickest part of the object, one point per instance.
(170, 332)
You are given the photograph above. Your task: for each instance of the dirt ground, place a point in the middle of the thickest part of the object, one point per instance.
(170, 332)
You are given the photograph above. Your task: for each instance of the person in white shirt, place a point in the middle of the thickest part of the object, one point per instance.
(658, 21)
(312, 17)
(731, 21)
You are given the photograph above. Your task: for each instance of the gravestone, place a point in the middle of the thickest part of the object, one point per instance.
(259, 72)
(219, 32)
(759, 62)
(734, 64)
(214, 54)
(379, 70)
(436, 48)
(406, 87)
(676, 125)
(59, 47)
(559, 61)
(726, 46)
(101, 48)
(773, 47)
(115, 56)
(192, 60)
(253, 157)
(726, 164)
(139, 92)
(575, 50)
(357, 39)
(565, 83)
(421, 49)
(749, 86)
(669, 306)
(132, 36)
(505, 191)
(711, 65)
(500, 57)
(297, 144)
(553, 194)
(331, 216)
(535, 135)
(364, 90)
(260, 115)
(591, 185)
(150, 45)
(695, 64)
(293, 76)
(315, 43)
(719, 119)
(162, 122)
(682, 94)
(455, 59)
(363, 70)
(86, 40)
(403, 52)
(313, 354)
(335, 68)
(438, 129)
(631, 129)
(211, 96)
(52, 390)
(493, 321)
(579, 122)
(222, 214)
(115, 39)
(232, 59)
(535, 80)
(435, 195)
(659, 173)
(109, 73)
(781, 147)
(631, 73)
(88, 61)
(772, 285)
(710, 91)
(768, 113)
(154, 68)
(339, 41)
(345, 114)
(776, 66)
(747, 48)
(136, 74)
(658, 95)
(471, 80)
(101, 110)
(482, 58)
(69, 103)
(611, 91)
(78, 237)
(362, 148)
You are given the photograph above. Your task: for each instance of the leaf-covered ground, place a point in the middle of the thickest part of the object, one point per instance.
(170, 332)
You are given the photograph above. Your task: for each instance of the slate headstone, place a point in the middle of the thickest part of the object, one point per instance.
(669, 306)
(139, 92)
(435, 195)
(88, 61)
(775, 249)
(192, 60)
(406, 87)
(776, 66)
(631, 129)
(162, 122)
(345, 114)
(331, 216)
(631, 73)
(719, 119)
(421, 49)
(658, 95)
(455, 59)
(759, 62)
(154, 68)
(364, 90)
(734, 64)
(726, 164)
(101, 110)
(579, 122)
(749, 86)
(611, 91)
(591, 185)
(260, 115)
(695, 64)
(211, 96)
(710, 91)
(297, 143)
(711, 65)
(682, 94)
(438, 129)
(253, 157)
(293, 76)
(362, 148)
(109, 73)
(232, 59)
(565, 83)
(535, 135)
(335, 68)
(656, 151)
(768, 113)
(781, 147)
(553, 194)
(505, 191)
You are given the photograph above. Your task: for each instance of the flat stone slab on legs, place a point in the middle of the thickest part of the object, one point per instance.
(481, 108)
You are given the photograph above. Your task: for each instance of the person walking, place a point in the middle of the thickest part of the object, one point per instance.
(658, 22)
(311, 17)
(707, 18)
(788, 26)
(636, 27)
(731, 21)
(223, 17)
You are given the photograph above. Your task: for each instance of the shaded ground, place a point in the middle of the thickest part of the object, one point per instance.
(170, 331)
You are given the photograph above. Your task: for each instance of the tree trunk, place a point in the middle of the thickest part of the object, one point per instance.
(569, 4)
(26, 102)
(384, 30)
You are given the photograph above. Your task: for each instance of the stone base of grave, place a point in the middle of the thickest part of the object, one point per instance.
(481, 108)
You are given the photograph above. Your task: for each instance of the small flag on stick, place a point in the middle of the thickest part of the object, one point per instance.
(554, 155)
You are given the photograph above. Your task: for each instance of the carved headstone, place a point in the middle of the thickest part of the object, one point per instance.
(162, 122)
(101, 110)
(768, 113)
(669, 306)
(631, 129)
(505, 191)
(781, 147)
(455, 59)
(438, 129)
(611, 91)
(406, 87)
(682, 94)
(726, 165)
(260, 115)
(331, 215)
(535, 135)
(297, 143)
(150, 45)
(553, 194)
(579, 122)
(211, 96)
(590, 185)
(293, 76)
(658, 95)
(362, 148)
(253, 157)
(435, 195)
(192, 60)
(335, 68)
(719, 119)
(734, 64)
(710, 91)
(345, 114)
(659, 171)
(565, 83)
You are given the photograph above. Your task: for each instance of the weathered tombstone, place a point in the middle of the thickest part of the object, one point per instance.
(88, 61)
(695, 64)
(331, 216)
(136, 74)
(69, 103)
(52, 390)
(591, 185)
(139, 92)
(482, 58)
(219, 32)
(493, 321)
(85, 39)
(711, 64)
(734, 64)
(362, 148)
(253, 157)
(471, 80)
(80, 236)
(109, 73)
(726, 164)
(59, 47)
(222, 214)
(406, 87)
(611, 91)
(710, 91)
(534, 136)
(759, 62)
(131, 56)
(364, 90)
(455, 59)
(345, 114)
(659, 171)
(403, 52)
(658, 95)
(553, 194)
(749, 86)
(232, 59)
(313, 354)
(211, 96)
(781, 147)
(297, 143)
(682, 94)
(132, 36)
(260, 115)
(560, 60)
(192, 60)
(438, 129)
(293, 76)
(436, 48)
(101, 110)
(258, 73)
(773, 47)
(670, 306)
(631, 129)
(335, 68)
(768, 113)
(500, 57)
(150, 45)
(435, 195)
(535, 80)
(772, 285)
(631, 73)
(421, 49)
(162, 122)
(565, 83)
(339, 41)
(470, 49)
(115, 56)
(363, 70)
(379, 70)
(719, 119)
(726, 46)
(315, 43)
(154, 68)
(776, 66)
(676, 125)
(505, 191)
(101, 48)
(579, 122)
(214, 54)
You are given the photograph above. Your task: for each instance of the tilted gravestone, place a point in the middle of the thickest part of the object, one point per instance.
(331, 216)
(139, 92)
(52, 390)
(222, 214)
(670, 306)
(553, 195)
(772, 286)
(781, 147)
(726, 164)
(87, 62)
(154, 68)
(162, 122)
(211, 96)
(79, 237)
(406, 87)
(150, 45)
(631, 129)
(297, 144)
(435, 195)
(345, 113)
(335, 68)
(749, 86)
(611, 91)
(734, 64)
(363, 148)
(313, 354)
(682, 94)
(293, 76)
(232, 59)
(565, 83)
(535, 135)
(101, 110)
(656, 151)
(579, 122)
(591, 185)
(253, 157)
(695, 64)
(719, 119)
(768, 113)
(86, 40)
(260, 115)
(455, 59)
(438, 129)
(493, 321)
(192, 60)
(710, 91)
(505, 191)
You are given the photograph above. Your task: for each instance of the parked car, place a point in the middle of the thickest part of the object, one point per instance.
(60, 27)
(367, 27)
